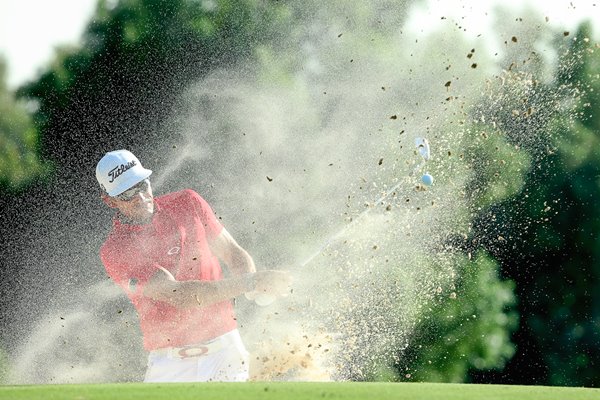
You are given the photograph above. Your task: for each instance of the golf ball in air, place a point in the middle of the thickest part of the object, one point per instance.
(427, 179)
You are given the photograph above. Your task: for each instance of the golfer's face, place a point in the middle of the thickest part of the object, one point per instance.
(137, 203)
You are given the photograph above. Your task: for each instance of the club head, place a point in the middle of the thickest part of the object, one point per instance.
(423, 147)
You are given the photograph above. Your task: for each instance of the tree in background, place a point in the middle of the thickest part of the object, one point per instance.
(559, 286)
(533, 150)
(136, 58)
(468, 329)
(19, 161)
(551, 225)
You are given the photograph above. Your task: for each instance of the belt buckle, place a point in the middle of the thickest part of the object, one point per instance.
(192, 351)
(199, 349)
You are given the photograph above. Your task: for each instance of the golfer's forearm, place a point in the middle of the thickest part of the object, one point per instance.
(227, 249)
(238, 260)
(241, 262)
(190, 294)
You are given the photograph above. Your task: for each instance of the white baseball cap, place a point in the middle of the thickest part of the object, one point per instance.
(119, 170)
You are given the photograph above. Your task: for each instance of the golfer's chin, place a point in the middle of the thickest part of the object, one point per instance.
(143, 214)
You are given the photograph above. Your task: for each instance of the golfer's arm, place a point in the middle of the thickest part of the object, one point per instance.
(188, 294)
(227, 249)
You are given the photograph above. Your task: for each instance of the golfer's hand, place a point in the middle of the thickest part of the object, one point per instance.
(273, 282)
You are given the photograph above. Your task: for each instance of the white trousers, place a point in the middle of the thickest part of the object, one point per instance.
(225, 359)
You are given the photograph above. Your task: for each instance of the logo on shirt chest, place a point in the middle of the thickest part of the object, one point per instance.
(174, 250)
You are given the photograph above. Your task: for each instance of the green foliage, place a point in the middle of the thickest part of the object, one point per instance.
(553, 222)
(19, 162)
(565, 318)
(499, 167)
(468, 328)
(330, 36)
(136, 58)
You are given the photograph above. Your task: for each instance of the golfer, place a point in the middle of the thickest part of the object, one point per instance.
(164, 253)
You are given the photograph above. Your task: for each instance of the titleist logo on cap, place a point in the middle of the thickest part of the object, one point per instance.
(118, 170)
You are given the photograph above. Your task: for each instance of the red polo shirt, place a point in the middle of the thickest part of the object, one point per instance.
(177, 240)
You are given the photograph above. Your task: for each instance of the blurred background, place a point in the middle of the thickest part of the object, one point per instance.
(297, 121)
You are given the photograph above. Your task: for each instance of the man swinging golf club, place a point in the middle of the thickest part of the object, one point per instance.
(164, 253)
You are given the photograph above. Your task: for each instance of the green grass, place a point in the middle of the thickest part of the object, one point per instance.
(293, 391)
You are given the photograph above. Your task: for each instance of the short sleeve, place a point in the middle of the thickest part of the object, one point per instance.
(211, 224)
